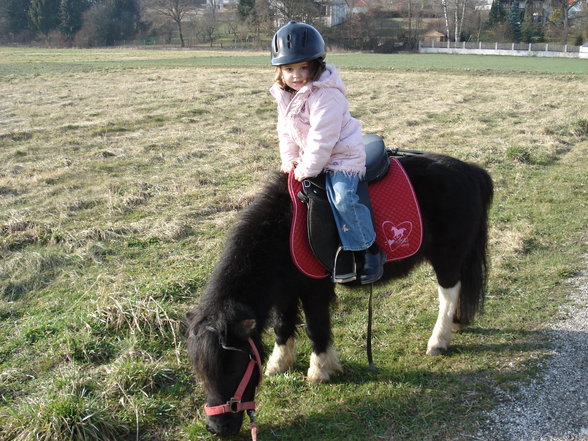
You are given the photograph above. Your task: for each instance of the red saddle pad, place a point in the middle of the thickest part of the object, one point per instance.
(399, 229)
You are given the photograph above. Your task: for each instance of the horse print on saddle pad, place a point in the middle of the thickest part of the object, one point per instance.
(397, 221)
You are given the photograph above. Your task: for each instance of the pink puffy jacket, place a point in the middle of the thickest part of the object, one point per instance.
(316, 130)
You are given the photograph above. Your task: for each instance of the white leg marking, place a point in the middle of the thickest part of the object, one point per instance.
(282, 358)
(441, 335)
(322, 366)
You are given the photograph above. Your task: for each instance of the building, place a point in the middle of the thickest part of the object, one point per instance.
(222, 5)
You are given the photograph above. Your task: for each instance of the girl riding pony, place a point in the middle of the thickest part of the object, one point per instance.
(318, 134)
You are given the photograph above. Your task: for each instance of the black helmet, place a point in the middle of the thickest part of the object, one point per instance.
(295, 43)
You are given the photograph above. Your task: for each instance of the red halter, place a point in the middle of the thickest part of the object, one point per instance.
(235, 405)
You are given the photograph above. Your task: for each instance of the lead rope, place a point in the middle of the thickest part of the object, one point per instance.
(370, 356)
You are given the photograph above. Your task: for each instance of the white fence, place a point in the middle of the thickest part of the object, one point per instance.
(513, 49)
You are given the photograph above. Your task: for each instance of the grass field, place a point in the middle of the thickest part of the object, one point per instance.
(26, 61)
(121, 172)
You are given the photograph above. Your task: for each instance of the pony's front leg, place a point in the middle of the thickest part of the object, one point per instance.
(284, 353)
(324, 362)
(324, 365)
(441, 336)
(282, 358)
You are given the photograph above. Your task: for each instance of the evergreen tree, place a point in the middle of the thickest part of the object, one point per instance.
(44, 15)
(246, 8)
(514, 21)
(531, 32)
(109, 22)
(497, 14)
(70, 16)
(16, 15)
(124, 15)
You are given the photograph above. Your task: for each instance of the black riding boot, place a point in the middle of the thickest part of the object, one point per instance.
(373, 267)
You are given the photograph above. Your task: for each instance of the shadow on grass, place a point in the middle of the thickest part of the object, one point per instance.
(400, 403)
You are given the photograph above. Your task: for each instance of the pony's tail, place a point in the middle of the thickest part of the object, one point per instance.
(474, 271)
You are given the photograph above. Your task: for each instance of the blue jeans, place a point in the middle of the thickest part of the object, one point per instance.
(353, 219)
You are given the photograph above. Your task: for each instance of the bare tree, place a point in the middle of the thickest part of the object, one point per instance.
(207, 26)
(212, 4)
(175, 10)
(564, 7)
(236, 27)
(457, 10)
(301, 10)
(446, 16)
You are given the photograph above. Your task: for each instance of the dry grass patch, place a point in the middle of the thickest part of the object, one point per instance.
(118, 185)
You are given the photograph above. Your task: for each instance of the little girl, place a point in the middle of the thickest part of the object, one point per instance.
(317, 133)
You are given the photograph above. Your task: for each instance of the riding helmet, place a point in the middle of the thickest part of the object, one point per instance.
(297, 42)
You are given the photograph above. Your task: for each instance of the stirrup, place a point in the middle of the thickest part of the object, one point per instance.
(344, 269)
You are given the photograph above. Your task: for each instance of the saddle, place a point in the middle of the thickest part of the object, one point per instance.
(386, 190)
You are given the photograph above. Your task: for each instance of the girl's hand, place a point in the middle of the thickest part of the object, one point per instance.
(290, 167)
(299, 176)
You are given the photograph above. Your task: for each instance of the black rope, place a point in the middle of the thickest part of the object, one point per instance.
(370, 356)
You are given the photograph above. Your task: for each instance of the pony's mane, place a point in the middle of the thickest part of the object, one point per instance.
(232, 293)
(250, 248)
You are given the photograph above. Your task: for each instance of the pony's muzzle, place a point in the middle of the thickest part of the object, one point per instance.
(225, 425)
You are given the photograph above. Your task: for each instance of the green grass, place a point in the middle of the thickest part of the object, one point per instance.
(121, 172)
(27, 61)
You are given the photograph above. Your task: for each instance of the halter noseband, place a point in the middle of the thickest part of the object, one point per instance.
(235, 404)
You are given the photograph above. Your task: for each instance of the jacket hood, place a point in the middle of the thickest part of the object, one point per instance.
(329, 78)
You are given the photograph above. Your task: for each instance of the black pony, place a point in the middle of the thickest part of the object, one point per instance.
(256, 276)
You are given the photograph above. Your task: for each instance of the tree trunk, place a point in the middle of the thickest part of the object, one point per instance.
(463, 12)
(444, 4)
(181, 34)
(565, 30)
(456, 18)
(410, 39)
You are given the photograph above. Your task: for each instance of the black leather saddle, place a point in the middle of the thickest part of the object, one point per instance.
(322, 230)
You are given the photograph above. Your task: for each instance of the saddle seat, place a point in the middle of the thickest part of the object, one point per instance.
(314, 240)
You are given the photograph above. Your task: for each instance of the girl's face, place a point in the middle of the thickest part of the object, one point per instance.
(296, 75)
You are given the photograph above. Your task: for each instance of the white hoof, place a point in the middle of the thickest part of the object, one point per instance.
(282, 358)
(323, 366)
(436, 346)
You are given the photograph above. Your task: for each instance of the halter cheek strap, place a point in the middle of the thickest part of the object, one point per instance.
(235, 405)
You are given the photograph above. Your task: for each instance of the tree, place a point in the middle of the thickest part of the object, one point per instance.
(497, 14)
(514, 22)
(16, 15)
(44, 15)
(109, 22)
(258, 15)
(531, 32)
(246, 8)
(564, 6)
(456, 9)
(70, 16)
(175, 10)
(299, 10)
(208, 26)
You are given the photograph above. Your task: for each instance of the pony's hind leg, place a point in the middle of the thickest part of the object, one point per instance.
(441, 336)
(284, 354)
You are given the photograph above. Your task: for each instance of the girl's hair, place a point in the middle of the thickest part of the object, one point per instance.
(316, 68)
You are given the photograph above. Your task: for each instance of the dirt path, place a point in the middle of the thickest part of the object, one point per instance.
(553, 407)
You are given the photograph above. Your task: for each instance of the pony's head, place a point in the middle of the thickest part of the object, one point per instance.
(221, 349)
